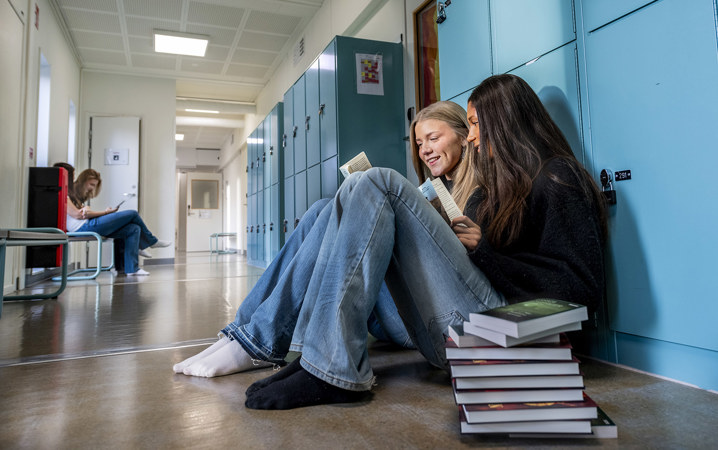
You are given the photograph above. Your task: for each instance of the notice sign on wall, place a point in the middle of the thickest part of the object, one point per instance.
(117, 156)
(370, 74)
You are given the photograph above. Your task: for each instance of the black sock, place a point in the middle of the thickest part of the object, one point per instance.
(280, 375)
(300, 389)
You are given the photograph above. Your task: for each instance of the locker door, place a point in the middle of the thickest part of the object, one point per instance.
(328, 102)
(314, 184)
(288, 134)
(526, 29)
(464, 47)
(259, 155)
(275, 143)
(300, 139)
(312, 114)
(300, 196)
(259, 228)
(274, 226)
(652, 115)
(266, 225)
(265, 149)
(252, 163)
(330, 174)
(288, 222)
(251, 220)
(600, 12)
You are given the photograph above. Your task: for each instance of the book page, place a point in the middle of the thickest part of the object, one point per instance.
(447, 201)
(359, 163)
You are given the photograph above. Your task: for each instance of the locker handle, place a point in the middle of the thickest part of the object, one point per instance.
(285, 225)
(264, 157)
(284, 140)
(306, 122)
(294, 131)
(271, 150)
(296, 222)
(271, 226)
(264, 228)
(321, 108)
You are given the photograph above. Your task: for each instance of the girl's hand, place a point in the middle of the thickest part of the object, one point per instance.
(467, 231)
(83, 211)
(110, 210)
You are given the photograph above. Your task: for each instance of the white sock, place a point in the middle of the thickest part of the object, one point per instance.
(179, 367)
(230, 358)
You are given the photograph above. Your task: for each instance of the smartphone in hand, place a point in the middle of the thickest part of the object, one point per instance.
(119, 204)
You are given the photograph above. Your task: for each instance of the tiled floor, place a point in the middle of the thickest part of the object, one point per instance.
(93, 370)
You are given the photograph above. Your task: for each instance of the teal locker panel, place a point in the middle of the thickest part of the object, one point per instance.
(275, 226)
(266, 150)
(300, 131)
(258, 230)
(267, 225)
(314, 184)
(260, 159)
(653, 101)
(288, 134)
(275, 143)
(251, 164)
(367, 122)
(328, 101)
(252, 220)
(464, 47)
(330, 174)
(300, 196)
(526, 29)
(597, 13)
(288, 221)
(554, 78)
(311, 95)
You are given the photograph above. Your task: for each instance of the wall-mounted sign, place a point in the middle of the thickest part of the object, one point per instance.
(117, 156)
(370, 74)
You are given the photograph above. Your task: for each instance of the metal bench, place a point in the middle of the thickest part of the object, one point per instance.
(214, 243)
(38, 237)
(89, 236)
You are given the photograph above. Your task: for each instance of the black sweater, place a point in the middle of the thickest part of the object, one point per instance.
(559, 252)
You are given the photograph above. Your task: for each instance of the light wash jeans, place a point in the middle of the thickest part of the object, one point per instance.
(265, 321)
(382, 228)
(128, 226)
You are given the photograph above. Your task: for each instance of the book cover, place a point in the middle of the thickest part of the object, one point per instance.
(359, 163)
(472, 396)
(602, 427)
(520, 382)
(530, 317)
(559, 351)
(550, 335)
(462, 339)
(497, 368)
(548, 426)
(586, 409)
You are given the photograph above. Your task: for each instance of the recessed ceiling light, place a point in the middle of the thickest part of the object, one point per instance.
(179, 137)
(206, 111)
(180, 43)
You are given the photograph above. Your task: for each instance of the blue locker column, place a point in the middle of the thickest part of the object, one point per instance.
(523, 30)
(465, 57)
(251, 192)
(273, 193)
(328, 120)
(300, 196)
(266, 195)
(288, 134)
(311, 105)
(299, 125)
(653, 101)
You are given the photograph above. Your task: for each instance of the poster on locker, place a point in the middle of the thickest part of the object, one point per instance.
(370, 74)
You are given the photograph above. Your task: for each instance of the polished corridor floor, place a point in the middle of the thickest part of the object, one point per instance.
(92, 369)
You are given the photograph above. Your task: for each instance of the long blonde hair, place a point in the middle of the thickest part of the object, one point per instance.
(77, 194)
(454, 116)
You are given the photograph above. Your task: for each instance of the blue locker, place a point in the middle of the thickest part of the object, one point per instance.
(597, 13)
(288, 221)
(275, 144)
(311, 95)
(328, 105)
(288, 133)
(653, 107)
(329, 177)
(259, 228)
(300, 125)
(465, 40)
(314, 181)
(300, 196)
(526, 29)
(259, 156)
(265, 148)
(274, 227)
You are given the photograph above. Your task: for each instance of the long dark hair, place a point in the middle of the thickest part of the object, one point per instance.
(517, 138)
(77, 194)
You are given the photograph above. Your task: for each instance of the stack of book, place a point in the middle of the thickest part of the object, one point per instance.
(514, 372)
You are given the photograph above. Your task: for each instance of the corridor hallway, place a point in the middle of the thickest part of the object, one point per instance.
(93, 369)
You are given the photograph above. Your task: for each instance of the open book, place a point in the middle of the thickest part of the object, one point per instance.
(433, 190)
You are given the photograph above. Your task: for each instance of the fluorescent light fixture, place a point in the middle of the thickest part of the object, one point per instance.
(180, 43)
(179, 137)
(206, 111)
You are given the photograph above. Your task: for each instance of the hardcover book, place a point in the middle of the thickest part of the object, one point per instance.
(549, 426)
(534, 316)
(472, 396)
(359, 163)
(560, 351)
(466, 335)
(523, 412)
(602, 427)
(498, 368)
(520, 382)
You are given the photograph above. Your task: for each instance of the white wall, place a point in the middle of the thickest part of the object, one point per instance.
(153, 101)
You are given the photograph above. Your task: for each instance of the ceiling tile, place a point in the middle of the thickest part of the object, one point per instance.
(261, 41)
(91, 56)
(256, 58)
(272, 23)
(200, 66)
(241, 70)
(164, 9)
(217, 36)
(92, 21)
(94, 5)
(216, 53)
(105, 41)
(154, 61)
(141, 27)
(217, 15)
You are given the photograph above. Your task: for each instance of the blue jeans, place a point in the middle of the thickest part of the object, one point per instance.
(128, 226)
(265, 321)
(382, 228)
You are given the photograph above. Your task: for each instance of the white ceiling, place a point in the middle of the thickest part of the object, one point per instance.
(248, 39)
